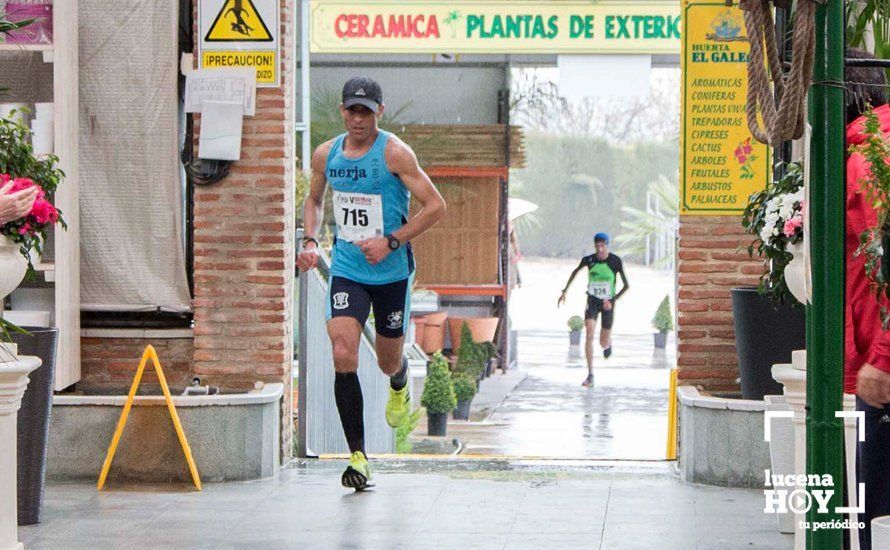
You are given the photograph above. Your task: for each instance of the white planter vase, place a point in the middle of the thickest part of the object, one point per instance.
(795, 273)
(12, 267)
(13, 381)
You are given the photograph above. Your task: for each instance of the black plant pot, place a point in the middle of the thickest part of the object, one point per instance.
(575, 338)
(462, 411)
(33, 421)
(661, 339)
(765, 334)
(437, 423)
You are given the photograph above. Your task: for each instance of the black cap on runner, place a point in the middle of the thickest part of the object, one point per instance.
(362, 90)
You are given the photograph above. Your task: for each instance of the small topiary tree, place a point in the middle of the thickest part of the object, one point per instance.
(470, 356)
(663, 320)
(575, 323)
(438, 392)
(464, 387)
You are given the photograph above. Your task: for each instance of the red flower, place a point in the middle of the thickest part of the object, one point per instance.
(44, 212)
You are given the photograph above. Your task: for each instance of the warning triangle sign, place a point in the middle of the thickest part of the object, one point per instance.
(238, 21)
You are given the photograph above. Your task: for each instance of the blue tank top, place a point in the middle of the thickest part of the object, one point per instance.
(368, 175)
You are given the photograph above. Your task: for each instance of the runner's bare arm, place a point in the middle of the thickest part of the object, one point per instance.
(402, 161)
(624, 285)
(562, 296)
(313, 207)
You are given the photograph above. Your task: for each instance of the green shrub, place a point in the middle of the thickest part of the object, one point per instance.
(576, 323)
(470, 356)
(438, 392)
(403, 432)
(464, 387)
(664, 320)
(489, 350)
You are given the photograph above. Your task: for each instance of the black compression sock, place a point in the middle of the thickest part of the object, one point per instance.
(400, 379)
(350, 404)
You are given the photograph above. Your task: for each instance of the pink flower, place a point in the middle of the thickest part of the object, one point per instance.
(25, 229)
(4, 179)
(44, 212)
(792, 226)
(20, 184)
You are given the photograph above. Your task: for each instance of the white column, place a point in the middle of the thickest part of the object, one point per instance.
(851, 439)
(13, 381)
(795, 382)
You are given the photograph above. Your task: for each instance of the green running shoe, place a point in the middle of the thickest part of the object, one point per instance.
(358, 473)
(398, 408)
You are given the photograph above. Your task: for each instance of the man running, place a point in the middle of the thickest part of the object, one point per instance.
(603, 269)
(372, 174)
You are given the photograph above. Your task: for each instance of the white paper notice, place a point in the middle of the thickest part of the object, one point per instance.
(221, 123)
(236, 84)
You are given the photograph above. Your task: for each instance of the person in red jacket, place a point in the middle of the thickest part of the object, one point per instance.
(867, 345)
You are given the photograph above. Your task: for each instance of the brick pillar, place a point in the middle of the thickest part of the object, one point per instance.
(244, 251)
(713, 258)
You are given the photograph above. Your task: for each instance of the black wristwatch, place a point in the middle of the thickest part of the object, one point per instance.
(307, 240)
(394, 243)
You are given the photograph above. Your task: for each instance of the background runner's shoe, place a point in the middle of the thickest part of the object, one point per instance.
(607, 352)
(588, 382)
(398, 407)
(358, 473)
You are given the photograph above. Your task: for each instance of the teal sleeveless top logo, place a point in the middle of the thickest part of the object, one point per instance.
(369, 201)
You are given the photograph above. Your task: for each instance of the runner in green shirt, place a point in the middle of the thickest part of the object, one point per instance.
(603, 269)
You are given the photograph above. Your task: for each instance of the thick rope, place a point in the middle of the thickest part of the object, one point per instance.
(779, 98)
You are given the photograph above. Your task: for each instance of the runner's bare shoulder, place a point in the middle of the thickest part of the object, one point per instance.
(399, 155)
(320, 155)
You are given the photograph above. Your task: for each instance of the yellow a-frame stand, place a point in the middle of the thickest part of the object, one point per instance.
(149, 353)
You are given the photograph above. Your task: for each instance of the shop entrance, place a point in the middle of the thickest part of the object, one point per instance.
(499, 133)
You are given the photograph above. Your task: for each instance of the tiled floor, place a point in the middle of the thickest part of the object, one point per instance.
(417, 505)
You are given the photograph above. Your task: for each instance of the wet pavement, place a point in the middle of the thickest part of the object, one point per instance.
(549, 414)
(445, 504)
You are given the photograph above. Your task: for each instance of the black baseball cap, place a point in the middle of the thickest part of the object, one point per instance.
(362, 90)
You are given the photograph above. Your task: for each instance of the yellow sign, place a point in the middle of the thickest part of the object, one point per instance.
(238, 21)
(241, 33)
(149, 353)
(721, 164)
(264, 61)
(493, 26)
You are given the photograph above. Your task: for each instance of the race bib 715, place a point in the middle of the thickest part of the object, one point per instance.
(359, 216)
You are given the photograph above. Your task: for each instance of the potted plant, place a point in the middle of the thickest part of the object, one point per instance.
(576, 324)
(483, 329)
(434, 332)
(769, 322)
(663, 321)
(21, 169)
(438, 395)
(464, 391)
(471, 357)
(489, 352)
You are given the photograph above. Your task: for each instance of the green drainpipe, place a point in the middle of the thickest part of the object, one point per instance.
(825, 317)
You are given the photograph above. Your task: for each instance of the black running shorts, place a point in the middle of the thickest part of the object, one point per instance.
(391, 303)
(594, 307)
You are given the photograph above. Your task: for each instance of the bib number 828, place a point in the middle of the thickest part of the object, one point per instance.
(358, 217)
